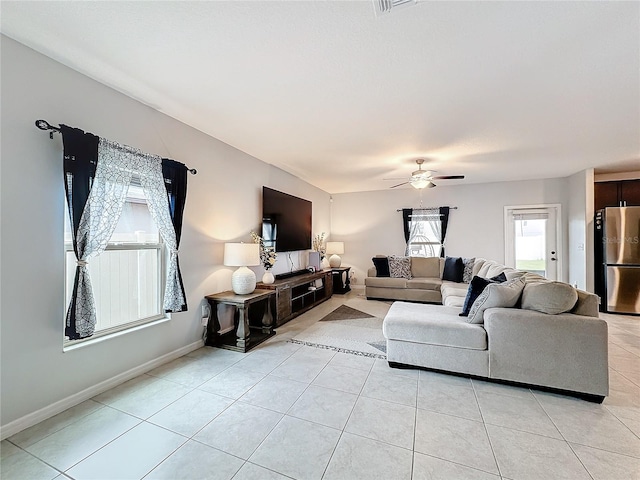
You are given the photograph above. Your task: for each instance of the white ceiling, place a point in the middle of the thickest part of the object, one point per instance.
(343, 98)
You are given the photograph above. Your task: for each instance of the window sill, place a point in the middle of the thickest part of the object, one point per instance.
(76, 344)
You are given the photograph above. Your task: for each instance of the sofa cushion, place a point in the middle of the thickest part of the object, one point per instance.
(467, 271)
(453, 293)
(504, 294)
(400, 267)
(386, 282)
(477, 265)
(528, 276)
(425, 283)
(453, 269)
(476, 287)
(425, 267)
(432, 325)
(382, 266)
(491, 269)
(453, 289)
(549, 297)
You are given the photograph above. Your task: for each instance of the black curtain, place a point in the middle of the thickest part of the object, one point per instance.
(444, 218)
(175, 181)
(406, 220)
(80, 159)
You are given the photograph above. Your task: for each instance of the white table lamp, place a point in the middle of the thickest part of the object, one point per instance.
(243, 280)
(334, 249)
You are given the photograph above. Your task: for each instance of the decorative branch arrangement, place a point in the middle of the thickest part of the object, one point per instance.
(268, 256)
(319, 245)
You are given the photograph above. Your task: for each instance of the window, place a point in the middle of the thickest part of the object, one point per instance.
(128, 277)
(424, 239)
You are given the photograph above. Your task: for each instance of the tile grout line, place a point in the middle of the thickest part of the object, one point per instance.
(280, 413)
(564, 438)
(343, 430)
(101, 405)
(486, 431)
(60, 472)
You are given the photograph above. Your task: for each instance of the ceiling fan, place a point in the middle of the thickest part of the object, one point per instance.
(424, 178)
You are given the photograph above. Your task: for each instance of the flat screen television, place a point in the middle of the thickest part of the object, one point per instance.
(286, 221)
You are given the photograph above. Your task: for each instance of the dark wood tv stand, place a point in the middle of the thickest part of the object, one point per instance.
(296, 295)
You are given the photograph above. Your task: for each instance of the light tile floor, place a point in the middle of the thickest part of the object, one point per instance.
(289, 411)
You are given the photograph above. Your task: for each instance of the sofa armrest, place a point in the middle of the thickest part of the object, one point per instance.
(565, 351)
(372, 272)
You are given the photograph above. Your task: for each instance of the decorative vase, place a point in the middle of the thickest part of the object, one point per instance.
(325, 263)
(268, 278)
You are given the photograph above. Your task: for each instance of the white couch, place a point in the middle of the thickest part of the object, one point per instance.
(565, 352)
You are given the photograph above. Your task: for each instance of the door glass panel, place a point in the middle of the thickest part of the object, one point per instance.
(531, 240)
(530, 245)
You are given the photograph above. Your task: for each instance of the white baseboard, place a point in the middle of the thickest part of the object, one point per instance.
(38, 416)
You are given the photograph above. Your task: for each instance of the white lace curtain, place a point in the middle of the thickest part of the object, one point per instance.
(116, 166)
(425, 232)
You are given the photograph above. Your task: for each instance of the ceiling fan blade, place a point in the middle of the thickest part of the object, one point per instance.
(399, 185)
(394, 178)
(449, 177)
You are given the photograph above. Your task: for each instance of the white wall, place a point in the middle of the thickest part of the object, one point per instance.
(580, 226)
(369, 224)
(223, 203)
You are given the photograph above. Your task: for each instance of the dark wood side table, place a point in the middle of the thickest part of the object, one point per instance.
(252, 319)
(340, 284)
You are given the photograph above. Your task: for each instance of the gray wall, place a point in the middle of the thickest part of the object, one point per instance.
(369, 224)
(223, 203)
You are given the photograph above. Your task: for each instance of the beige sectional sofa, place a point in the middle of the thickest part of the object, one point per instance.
(424, 286)
(565, 352)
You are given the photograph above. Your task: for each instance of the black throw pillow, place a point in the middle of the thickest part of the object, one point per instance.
(382, 266)
(476, 286)
(453, 269)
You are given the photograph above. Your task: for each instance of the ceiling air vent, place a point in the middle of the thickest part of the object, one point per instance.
(385, 6)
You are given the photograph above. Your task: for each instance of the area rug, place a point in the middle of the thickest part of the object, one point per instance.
(346, 330)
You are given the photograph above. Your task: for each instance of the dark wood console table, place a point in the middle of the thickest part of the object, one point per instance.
(341, 285)
(252, 318)
(296, 295)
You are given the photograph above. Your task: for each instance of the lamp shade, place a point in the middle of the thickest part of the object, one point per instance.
(335, 248)
(241, 254)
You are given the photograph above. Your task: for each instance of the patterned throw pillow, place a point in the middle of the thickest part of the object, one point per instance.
(400, 267)
(467, 273)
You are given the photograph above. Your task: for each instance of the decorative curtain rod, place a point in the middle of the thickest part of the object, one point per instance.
(44, 125)
(426, 208)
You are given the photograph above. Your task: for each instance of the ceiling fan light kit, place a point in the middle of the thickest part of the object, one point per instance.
(421, 182)
(423, 178)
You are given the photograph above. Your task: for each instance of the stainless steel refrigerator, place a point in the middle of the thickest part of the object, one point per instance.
(618, 237)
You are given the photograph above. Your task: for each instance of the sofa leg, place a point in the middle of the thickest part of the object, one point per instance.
(593, 398)
(400, 365)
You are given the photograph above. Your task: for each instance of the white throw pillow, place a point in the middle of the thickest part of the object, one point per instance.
(504, 294)
(549, 297)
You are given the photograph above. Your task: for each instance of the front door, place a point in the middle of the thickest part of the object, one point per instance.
(531, 239)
